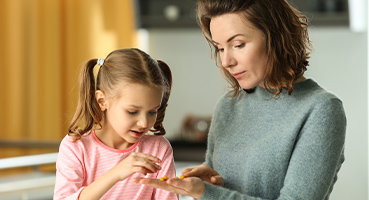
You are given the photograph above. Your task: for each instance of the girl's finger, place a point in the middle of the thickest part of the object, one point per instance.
(149, 157)
(141, 170)
(148, 165)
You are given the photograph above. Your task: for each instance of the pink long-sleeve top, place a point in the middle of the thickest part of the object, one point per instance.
(81, 162)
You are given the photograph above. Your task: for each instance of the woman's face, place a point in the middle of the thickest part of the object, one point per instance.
(241, 48)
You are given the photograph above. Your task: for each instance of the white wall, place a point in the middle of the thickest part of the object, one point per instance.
(338, 63)
(197, 82)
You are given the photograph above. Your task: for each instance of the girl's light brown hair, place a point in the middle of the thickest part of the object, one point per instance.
(130, 65)
(286, 35)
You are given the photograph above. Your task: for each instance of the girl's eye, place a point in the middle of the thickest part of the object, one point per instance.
(132, 112)
(153, 112)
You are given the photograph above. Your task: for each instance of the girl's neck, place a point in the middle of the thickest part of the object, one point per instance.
(111, 139)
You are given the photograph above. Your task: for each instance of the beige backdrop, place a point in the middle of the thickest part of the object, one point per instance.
(43, 45)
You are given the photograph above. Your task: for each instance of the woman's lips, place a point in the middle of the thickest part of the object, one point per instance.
(238, 75)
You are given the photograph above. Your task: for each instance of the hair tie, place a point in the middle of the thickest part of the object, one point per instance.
(100, 61)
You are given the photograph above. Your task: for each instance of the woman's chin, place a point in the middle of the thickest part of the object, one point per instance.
(247, 86)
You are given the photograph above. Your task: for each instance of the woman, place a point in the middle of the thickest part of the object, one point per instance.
(276, 135)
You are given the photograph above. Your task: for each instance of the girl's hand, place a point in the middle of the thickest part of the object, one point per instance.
(205, 173)
(136, 163)
(191, 186)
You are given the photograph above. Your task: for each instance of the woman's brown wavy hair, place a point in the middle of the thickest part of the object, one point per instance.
(286, 35)
(129, 65)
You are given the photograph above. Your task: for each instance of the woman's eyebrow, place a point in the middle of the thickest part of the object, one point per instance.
(229, 39)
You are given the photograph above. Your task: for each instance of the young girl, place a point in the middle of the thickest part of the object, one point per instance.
(107, 144)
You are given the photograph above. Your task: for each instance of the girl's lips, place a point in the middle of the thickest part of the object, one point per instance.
(136, 133)
(238, 75)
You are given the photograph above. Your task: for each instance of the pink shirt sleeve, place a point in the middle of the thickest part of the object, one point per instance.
(167, 169)
(69, 171)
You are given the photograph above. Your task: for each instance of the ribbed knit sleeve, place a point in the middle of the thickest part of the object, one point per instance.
(318, 153)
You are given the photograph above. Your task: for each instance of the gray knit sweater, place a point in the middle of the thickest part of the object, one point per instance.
(289, 147)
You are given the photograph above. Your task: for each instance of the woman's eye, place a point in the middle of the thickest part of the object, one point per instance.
(240, 45)
(219, 49)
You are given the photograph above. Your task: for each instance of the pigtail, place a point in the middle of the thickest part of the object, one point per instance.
(167, 75)
(88, 112)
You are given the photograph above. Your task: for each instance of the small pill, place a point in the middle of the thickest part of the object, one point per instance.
(182, 177)
(164, 178)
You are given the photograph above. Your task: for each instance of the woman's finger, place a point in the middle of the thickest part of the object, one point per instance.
(156, 183)
(187, 172)
(202, 171)
(192, 186)
(178, 183)
(217, 180)
(194, 171)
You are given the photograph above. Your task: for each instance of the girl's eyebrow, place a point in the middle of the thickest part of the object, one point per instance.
(134, 106)
(157, 107)
(138, 107)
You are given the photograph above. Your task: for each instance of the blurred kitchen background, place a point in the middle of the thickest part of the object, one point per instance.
(45, 42)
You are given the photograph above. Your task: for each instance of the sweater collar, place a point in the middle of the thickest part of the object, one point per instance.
(264, 94)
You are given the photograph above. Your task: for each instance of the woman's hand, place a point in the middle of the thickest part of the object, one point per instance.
(136, 163)
(205, 173)
(191, 186)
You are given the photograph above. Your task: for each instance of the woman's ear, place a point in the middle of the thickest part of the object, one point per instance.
(101, 100)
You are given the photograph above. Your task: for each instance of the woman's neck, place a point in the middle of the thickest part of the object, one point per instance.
(300, 79)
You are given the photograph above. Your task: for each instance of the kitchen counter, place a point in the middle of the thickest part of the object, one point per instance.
(188, 151)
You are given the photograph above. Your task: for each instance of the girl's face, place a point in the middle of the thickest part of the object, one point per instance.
(241, 48)
(132, 114)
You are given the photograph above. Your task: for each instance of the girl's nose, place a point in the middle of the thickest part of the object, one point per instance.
(142, 123)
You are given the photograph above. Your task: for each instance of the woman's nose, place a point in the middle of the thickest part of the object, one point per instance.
(227, 59)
